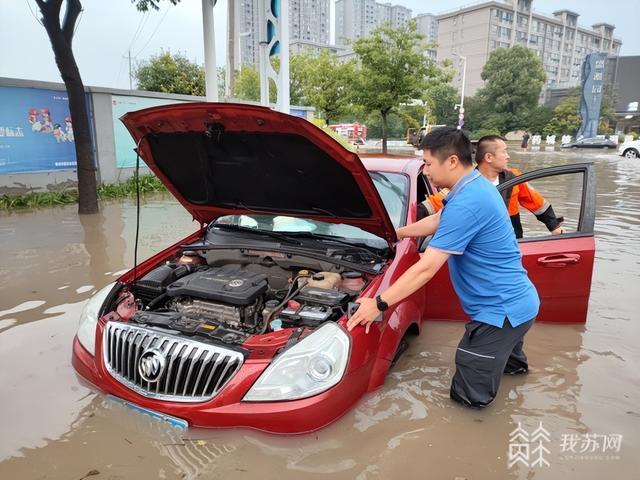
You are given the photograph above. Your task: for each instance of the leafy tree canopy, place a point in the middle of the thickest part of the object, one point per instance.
(171, 74)
(566, 119)
(327, 84)
(393, 70)
(514, 79)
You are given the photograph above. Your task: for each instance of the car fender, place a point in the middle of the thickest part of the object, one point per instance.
(403, 317)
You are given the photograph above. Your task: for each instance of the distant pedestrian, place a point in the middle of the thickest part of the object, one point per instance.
(525, 141)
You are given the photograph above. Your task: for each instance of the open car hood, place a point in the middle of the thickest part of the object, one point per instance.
(223, 158)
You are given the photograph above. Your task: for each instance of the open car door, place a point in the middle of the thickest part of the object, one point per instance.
(560, 266)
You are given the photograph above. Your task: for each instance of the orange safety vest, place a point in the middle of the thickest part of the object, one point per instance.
(522, 194)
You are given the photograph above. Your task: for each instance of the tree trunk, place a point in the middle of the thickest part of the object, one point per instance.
(384, 114)
(61, 37)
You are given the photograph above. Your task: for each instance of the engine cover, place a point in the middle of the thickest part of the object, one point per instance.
(228, 284)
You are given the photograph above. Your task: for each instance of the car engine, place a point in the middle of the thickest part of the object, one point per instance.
(231, 302)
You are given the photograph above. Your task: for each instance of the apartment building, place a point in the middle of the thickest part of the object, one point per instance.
(558, 40)
(428, 26)
(358, 18)
(308, 24)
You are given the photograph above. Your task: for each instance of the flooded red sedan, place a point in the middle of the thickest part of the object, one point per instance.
(242, 323)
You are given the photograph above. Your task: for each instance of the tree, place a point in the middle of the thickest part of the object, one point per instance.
(514, 79)
(247, 84)
(538, 118)
(145, 5)
(61, 37)
(566, 119)
(393, 70)
(328, 85)
(171, 74)
(297, 77)
(442, 98)
(607, 111)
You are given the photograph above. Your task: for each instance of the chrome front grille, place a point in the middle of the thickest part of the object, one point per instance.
(183, 370)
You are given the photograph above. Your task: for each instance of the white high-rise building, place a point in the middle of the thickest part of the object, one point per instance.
(308, 23)
(559, 41)
(428, 26)
(358, 18)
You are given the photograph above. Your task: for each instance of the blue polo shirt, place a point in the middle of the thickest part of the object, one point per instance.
(485, 263)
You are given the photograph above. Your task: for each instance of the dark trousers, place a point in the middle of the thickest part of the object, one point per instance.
(484, 354)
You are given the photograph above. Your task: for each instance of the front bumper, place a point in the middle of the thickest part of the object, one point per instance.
(227, 409)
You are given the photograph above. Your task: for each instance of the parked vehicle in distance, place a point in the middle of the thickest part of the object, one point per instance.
(594, 142)
(630, 149)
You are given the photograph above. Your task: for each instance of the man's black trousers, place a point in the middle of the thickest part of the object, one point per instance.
(484, 354)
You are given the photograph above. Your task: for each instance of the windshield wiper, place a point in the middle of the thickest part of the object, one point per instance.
(239, 228)
(355, 247)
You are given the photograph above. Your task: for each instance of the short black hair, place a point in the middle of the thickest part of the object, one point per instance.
(446, 141)
(484, 146)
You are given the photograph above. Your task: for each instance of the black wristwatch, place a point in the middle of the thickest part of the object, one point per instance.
(381, 304)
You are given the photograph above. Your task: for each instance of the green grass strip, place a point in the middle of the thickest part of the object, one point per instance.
(148, 184)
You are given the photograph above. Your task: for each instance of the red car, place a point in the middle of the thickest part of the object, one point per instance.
(242, 324)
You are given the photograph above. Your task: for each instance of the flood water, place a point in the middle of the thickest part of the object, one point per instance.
(583, 388)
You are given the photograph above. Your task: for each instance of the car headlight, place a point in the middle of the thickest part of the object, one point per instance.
(312, 366)
(89, 319)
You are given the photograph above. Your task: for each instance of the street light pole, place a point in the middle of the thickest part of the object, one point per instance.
(461, 104)
(211, 74)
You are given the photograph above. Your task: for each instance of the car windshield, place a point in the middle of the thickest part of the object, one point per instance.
(392, 188)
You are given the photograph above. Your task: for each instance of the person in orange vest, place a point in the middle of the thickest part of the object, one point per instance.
(492, 159)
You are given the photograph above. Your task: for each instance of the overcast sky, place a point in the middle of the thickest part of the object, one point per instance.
(109, 29)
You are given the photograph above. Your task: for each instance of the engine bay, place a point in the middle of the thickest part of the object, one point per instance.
(229, 297)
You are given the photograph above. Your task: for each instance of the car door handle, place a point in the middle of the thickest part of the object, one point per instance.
(560, 260)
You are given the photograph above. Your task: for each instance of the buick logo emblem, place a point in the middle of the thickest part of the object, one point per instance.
(151, 365)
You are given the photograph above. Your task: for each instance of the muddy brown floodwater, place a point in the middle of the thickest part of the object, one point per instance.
(583, 388)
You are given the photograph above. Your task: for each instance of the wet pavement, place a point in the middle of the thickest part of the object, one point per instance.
(583, 388)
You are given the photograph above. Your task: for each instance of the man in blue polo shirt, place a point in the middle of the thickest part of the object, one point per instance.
(474, 234)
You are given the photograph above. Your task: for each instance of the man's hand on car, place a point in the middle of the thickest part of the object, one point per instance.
(366, 313)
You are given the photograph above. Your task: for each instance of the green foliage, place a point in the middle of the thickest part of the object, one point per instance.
(475, 112)
(145, 5)
(247, 85)
(441, 99)
(566, 120)
(481, 132)
(607, 111)
(537, 119)
(393, 70)
(171, 74)
(38, 199)
(148, 184)
(396, 125)
(297, 78)
(327, 84)
(514, 79)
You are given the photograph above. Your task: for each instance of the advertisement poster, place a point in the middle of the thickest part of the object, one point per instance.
(36, 131)
(124, 145)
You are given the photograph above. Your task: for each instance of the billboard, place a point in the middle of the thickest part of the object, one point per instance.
(124, 145)
(36, 131)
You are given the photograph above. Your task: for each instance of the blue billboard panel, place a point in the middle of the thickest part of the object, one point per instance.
(125, 154)
(36, 132)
